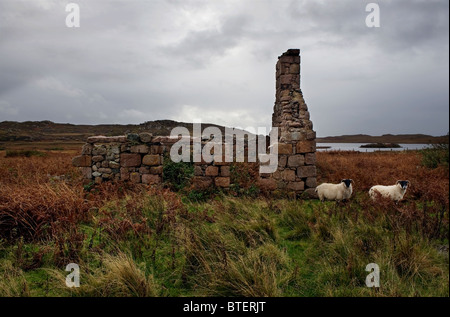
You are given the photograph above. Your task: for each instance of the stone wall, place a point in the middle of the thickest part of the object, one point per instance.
(139, 157)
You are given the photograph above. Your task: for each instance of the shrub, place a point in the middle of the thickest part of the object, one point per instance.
(201, 195)
(244, 174)
(177, 175)
(435, 156)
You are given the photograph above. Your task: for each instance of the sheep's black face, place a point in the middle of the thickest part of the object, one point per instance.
(403, 184)
(347, 182)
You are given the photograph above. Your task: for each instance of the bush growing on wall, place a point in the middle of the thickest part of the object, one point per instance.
(243, 179)
(177, 175)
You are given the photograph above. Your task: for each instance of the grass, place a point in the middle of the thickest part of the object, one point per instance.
(24, 153)
(435, 156)
(139, 241)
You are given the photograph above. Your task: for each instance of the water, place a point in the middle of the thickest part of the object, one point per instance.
(356, 147)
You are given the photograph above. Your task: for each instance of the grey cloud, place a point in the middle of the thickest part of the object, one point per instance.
(134, 61)
(199, 48)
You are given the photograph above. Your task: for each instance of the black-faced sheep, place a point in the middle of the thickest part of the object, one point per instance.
(394, 192)
(338, 192)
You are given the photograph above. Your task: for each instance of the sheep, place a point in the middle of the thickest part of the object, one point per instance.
(394, 192)
(341, 191)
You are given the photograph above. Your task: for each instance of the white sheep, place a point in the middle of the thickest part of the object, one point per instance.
(394, 192)
(340, 191)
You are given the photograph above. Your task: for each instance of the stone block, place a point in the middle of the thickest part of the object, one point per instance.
(284, 148)
(225, 171)
(311, 135)
(294, 69)
(296, 186)
(151, 179)
(106, 139)
(135, 177)
(113, 164)
(288, 175)
(296, 136)
(114, 149)
(223, 182)
(212, 171)
(282, 161)
(156, 149)
(87, 149)
(276, 175)
(202, 182)
(145, 137)
(144, 170)
(133, 137)
(98, 158)
(82, 161)
(311, 182)
(306, 171)
(141, 148)
(286, 79)
(99, 150)
(130, 160)
(306, 147)
(156, 170)
(296, 160)
(151, 160)
(124, 174)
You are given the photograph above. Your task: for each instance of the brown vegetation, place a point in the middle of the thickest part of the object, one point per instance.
(140, 241)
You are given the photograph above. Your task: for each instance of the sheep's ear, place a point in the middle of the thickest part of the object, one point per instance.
(398, 181)
(407, 182)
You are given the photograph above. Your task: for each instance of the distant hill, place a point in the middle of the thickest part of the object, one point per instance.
(48, 131)
(386, 138)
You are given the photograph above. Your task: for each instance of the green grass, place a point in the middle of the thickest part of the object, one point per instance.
(161, 244)
(435, 155)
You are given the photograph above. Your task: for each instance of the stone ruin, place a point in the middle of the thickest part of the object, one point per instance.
(139, 157)
(297, 139)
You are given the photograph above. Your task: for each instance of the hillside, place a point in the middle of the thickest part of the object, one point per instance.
(50, 132)
(385, 138)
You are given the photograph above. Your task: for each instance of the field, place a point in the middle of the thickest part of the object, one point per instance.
(131, 240)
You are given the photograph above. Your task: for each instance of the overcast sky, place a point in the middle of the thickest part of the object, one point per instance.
(132, 61)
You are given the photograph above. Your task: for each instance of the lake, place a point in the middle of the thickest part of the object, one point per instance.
(356, 147)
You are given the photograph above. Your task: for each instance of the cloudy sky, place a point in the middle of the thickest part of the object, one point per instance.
(132, 61)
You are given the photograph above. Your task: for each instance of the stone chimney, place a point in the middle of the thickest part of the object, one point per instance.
(297, 139)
